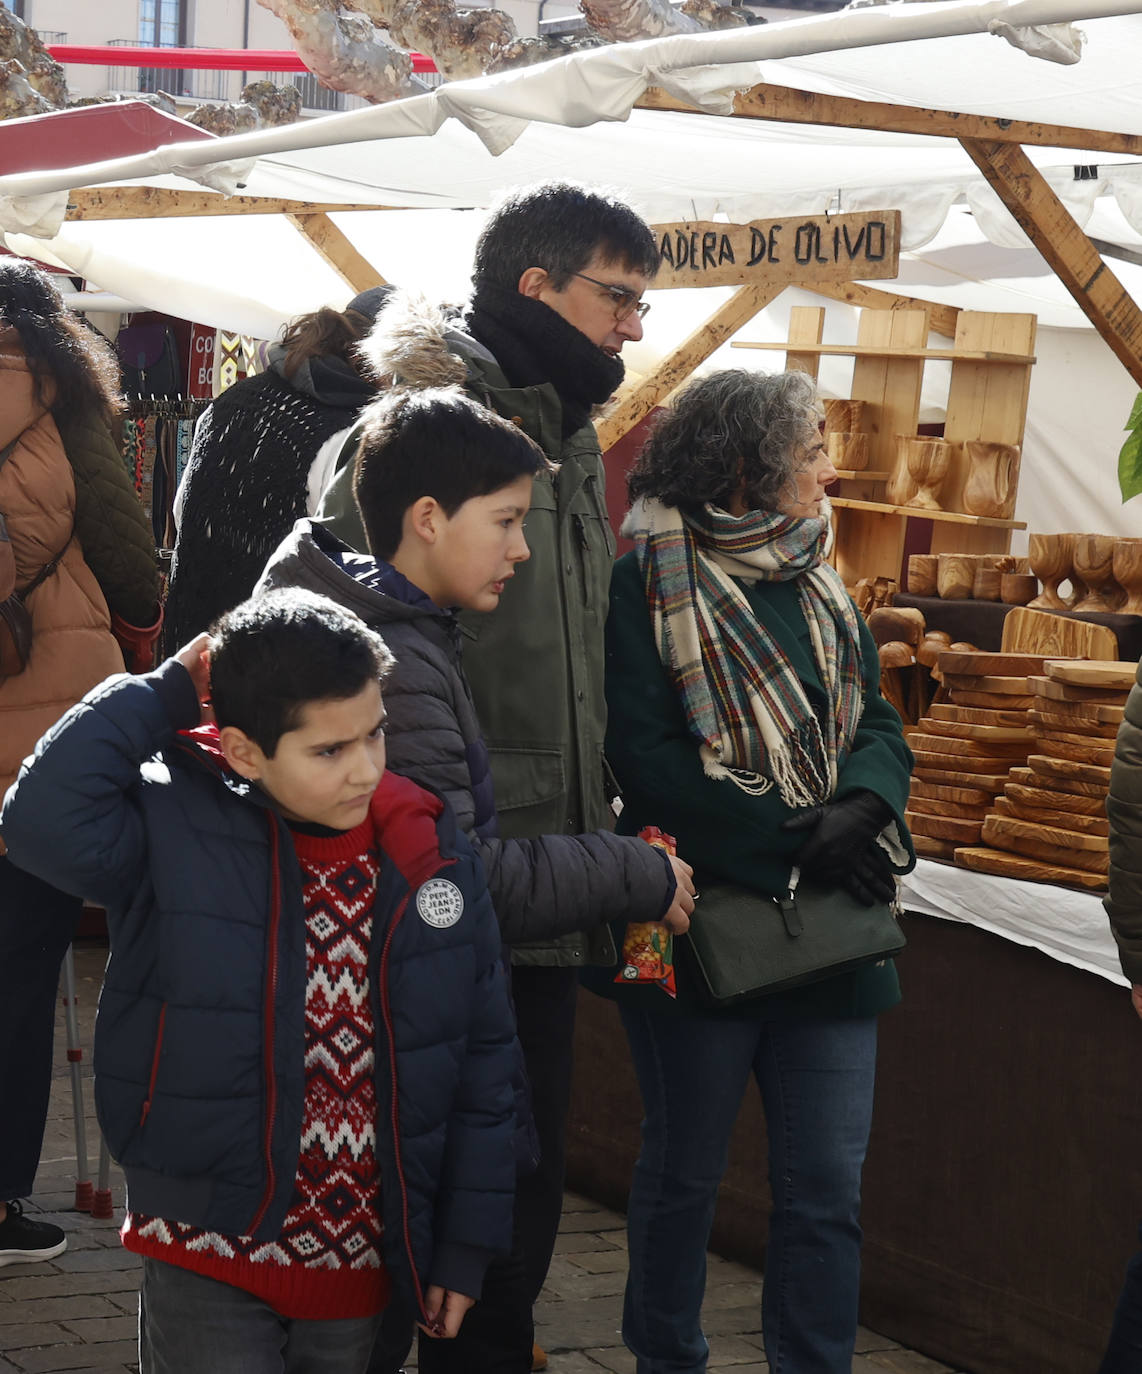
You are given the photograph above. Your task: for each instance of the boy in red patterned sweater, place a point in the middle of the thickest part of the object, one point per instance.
(304, 1047)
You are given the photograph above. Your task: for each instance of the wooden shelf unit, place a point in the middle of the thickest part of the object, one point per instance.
(990, 376)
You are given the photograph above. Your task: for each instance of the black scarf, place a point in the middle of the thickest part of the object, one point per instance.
(534, 344)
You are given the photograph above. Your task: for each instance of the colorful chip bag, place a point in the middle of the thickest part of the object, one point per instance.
(648, 946)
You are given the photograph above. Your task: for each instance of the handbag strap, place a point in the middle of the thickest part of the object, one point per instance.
(46, 571)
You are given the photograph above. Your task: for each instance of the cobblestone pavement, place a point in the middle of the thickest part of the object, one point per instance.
(77, 1313)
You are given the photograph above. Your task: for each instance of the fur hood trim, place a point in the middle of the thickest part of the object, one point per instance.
(413, 344)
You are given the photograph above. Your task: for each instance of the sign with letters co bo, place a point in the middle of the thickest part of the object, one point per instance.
(815, 248)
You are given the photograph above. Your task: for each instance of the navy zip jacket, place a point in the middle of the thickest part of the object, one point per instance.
(199, 1039)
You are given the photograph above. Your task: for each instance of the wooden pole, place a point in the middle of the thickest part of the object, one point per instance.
(941, 318)
(337, 251)
(153, 202)
(637, 403)
(1074, 259)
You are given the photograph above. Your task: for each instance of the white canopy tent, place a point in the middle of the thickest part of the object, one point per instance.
(250, 273)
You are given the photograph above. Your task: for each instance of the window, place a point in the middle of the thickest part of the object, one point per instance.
(162, 24)
(16, 6)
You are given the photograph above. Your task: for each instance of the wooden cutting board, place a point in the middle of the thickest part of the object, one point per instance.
(1076, 749)
(955, 729)
(1039, 798)
(930, 806)
(1043, 776)
(928, 848)
(945, 777)
(1030, 870)
(1064, 691)
(1101, 673)
(1015, 686)
(954, 763)
(961, 796)
(1064, 820)
(993, 701)
(975, 715)
(979, 662)
(1065, 768)
(1078, 726)
(944, 827)
(1046, 843)
(919, 741)
(1086, 711)
(1041, 632)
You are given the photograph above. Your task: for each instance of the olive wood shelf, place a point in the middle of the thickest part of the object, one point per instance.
(965, 355)
(919, 513)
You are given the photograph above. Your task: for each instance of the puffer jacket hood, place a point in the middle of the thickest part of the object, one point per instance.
(416, 344)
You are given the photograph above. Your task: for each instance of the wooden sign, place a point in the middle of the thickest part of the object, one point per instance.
(801, 251)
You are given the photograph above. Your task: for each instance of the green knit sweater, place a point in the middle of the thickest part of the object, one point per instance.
(723, 832)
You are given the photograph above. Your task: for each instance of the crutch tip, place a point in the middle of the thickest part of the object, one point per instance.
(84, 1194)
(101, 1205)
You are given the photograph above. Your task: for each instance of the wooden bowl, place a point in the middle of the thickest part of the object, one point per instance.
(955, 575)
(847, 449)
(1017, 589)
(985, 584)
(922, 574)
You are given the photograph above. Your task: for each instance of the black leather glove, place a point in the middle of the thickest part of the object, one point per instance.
(840, 846)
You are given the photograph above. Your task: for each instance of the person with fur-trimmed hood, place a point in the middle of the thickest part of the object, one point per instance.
(558, 280)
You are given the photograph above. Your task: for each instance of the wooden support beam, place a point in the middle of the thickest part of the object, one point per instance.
(153, 202)
(337, 250)
(1074, 259)
(637, 403)
(941, 318)
(791, 106)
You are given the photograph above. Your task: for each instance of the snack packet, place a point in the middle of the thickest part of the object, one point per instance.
(648, 946)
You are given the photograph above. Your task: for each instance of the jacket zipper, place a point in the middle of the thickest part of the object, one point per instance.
(154, 1064)
(394, 1110)
(268, 1024)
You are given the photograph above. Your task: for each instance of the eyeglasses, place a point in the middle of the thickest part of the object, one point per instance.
(625, 302)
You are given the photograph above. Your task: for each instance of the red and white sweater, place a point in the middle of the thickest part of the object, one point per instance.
(326, 1262)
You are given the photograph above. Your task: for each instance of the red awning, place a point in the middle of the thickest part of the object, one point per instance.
(198, 59)
(92, 133)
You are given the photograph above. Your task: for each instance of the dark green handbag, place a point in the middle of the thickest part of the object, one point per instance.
(743, 944)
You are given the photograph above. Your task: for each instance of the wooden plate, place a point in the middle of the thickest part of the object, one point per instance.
(1080, 772)
(1037, 798)
(1101, 673)
(944, 827)
(986, 682)
(1064, 691)
(1101, 713)
(955, 729)
(1064, 820)
(983, 860)
(975, 664)
(993, 701)
(1042, 843)
(928, 848)
(952, 763)
(945, 777)
(1043, 775)
(962, 796)
(974, 748)
(997, 828)
(1078, 727)
(1057, 747)
(930, 806)
(975, 715)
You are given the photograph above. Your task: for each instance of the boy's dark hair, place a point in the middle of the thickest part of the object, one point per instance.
(560, 226)
(437, 442)
(275, 653)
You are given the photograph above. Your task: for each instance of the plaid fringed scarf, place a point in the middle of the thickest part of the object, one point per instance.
(742, 697)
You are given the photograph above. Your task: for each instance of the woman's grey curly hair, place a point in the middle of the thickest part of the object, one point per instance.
(733, 431)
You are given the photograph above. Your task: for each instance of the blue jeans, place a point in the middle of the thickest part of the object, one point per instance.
(1124, 1350)
(190, 1324)
(816, 1081)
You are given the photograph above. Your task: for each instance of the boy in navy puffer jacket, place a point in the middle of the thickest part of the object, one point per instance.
(304, 1004)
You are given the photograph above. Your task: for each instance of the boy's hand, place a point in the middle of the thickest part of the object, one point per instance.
(445, 1311)
(677, 917)
(195, 658)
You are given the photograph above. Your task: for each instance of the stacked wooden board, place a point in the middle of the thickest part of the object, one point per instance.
(1050, 823)
(965, 747)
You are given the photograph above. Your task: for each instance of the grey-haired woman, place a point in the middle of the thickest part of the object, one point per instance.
(745, 718)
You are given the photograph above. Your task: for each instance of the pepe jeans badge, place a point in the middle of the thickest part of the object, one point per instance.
(440, 903)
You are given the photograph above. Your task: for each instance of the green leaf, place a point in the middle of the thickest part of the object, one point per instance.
(1130, 460)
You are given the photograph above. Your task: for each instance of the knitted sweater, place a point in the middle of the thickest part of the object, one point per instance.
(245, 485)
(325, 1263)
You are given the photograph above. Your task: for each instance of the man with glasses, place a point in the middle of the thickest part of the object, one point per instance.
(557, 288)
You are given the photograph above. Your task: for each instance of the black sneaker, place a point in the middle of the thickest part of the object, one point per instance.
(23, 1241)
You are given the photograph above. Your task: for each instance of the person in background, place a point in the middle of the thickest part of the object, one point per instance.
(255, 465)
(1123, 904)
(745, 719)
(557, 288)
(77, 573)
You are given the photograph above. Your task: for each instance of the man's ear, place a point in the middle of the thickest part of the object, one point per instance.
(532, 282)
(242, 754)
(423, 518)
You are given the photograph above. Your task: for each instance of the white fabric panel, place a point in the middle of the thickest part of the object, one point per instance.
(1064, 924)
